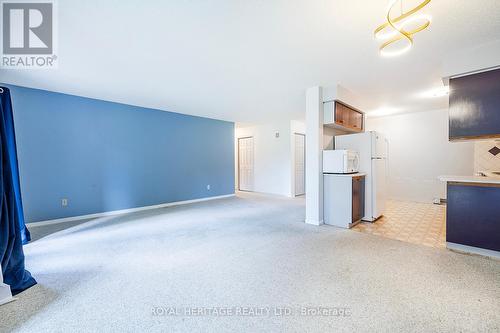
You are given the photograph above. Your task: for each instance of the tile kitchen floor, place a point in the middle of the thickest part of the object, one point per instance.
(413, 222)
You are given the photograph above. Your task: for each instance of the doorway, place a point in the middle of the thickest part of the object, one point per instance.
(245, 164)
(300, 165)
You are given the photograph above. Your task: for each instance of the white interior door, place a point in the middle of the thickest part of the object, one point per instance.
(245, 164)
(300, 165)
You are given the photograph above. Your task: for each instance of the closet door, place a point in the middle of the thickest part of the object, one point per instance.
(300, 165)
(245, 164)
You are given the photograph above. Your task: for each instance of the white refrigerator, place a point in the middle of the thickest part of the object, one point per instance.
(372, 147)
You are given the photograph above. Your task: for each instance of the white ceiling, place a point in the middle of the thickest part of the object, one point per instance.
(251, 60)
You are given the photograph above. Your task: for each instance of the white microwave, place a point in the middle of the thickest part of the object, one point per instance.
(340, 161)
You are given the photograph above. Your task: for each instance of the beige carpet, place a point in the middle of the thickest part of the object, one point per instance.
(183, 269)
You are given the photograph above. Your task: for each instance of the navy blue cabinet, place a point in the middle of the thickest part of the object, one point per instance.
(475, 106)
(473, 215)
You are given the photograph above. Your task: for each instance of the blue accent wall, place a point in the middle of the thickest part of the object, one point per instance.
(106, 156)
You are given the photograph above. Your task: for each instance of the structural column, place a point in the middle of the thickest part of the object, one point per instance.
(314, 156)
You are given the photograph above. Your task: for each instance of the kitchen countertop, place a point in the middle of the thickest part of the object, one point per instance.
(357, 174)
(470, 179)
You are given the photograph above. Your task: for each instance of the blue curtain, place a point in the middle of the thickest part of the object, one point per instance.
(13, 232)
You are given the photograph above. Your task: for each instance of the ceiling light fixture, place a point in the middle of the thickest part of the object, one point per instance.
(394, 32)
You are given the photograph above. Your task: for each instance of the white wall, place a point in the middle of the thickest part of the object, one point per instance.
(328, 137)
(273, 157)
(419, 152)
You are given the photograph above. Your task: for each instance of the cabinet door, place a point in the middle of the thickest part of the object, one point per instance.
(358, 200)
(474, 106)
(472, 215)
(357, 120)
(340, 114)
(349, 118)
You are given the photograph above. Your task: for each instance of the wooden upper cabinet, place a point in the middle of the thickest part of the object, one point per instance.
(475, 106)
(342, 116)
(348, 117)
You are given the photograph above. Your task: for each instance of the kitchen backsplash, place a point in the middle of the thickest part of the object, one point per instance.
(487, 156)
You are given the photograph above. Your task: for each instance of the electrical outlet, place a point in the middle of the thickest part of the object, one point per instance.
(64, 202)
(208, 187)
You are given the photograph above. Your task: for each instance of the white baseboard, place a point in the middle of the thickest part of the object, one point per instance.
(124, 211)
(281, 195)
(474, 250)
(315, 222)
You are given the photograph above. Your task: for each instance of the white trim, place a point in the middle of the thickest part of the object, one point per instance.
(474, 250)
(314, 155)
(474, 72)
(124, 211)
(315, 222)
(277, 195)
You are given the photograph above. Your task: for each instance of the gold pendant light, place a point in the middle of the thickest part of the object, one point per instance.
(394, 30)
